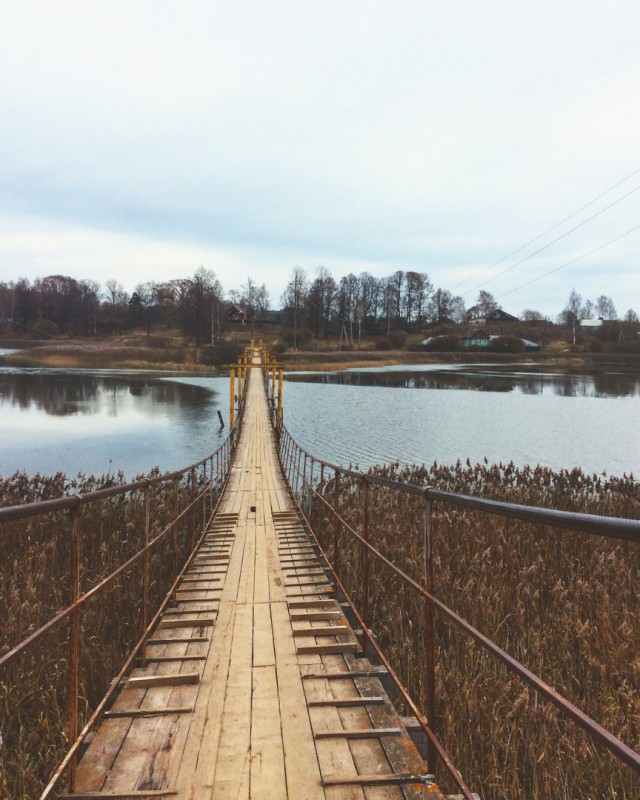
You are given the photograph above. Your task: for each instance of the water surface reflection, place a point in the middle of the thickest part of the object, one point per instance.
(485, 379)
(525, 415)
(98, 422)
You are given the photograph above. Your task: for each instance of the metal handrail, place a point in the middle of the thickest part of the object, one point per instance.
(610, 527)
(291, 454)
(214, 470)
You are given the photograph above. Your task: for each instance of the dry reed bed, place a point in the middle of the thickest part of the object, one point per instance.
(34, 584)
(563, 603)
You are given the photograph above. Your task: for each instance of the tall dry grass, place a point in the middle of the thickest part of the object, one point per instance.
(34, 584)
(563, 603)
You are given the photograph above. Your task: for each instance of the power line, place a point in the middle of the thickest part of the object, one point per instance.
(573, 261)
(544, 233)
(557, 239)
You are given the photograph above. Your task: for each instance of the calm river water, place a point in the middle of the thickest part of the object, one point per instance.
(105, 421)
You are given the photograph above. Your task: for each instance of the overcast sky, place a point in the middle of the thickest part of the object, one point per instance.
(141, 139)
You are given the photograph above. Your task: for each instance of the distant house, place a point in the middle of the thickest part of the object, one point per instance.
(476, 318)
(238, 313)
(482, 340)
(591, 324)
(498, 315)
(478, 340)
(485, 340)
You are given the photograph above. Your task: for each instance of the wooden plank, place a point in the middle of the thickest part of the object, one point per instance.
(232, 773)
(319, 584)
(329, 676)
(197, 764)
(363, 733)
(328, 649)
(186, 639)
(329, 601)
(268, 779)
(161, 659)
(211, 608)
(316, 616)
(325, 630)
(307, 573)
(346, 702)
(392, 779)
(137, 793)
(190, 622)
(148, 712)
(301, 760)
(178, 679)
(263, 652)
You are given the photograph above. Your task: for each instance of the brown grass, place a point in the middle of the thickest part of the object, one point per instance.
(34, 584)
(563, 603)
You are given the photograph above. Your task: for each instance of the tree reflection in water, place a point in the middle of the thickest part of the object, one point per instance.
(490, 379)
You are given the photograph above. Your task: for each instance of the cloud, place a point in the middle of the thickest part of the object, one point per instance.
(412, 134)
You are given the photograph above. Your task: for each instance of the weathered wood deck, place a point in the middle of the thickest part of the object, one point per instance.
(235, 702)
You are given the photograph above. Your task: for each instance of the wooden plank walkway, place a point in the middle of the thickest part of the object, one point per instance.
(254, 686)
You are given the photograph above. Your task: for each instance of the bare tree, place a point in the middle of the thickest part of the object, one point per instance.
(116, 293)
(529, 315)
(605, 308)
(571, 313)
(443, 306)
(197, 297)
(293, 298)
(320, 300)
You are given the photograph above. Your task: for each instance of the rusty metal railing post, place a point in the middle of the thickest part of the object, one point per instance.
(336, 550)
(310, 513)
(299, 475)
(176, 512)
(321, 491)
(280, 382)
(74, 638)
(192, 515)
(304, 479)
(232, 398)
(287, 457)
(204, 493)
(365, 569)
(145, 570)
(211, 490)
(429, 625)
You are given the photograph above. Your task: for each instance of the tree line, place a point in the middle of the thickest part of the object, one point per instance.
(317, 305)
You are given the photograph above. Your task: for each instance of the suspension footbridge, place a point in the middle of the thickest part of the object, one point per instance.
(257, 676)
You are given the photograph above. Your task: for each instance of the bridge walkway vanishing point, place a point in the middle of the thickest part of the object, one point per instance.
(253, 686)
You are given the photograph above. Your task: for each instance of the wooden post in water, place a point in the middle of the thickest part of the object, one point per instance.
(232, 394)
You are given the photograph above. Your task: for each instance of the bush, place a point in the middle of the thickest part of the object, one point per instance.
(303, 336)
(383, 343)
(221, 354)
(444, 344)
(45, 329)
(507, 344)
(398, 338)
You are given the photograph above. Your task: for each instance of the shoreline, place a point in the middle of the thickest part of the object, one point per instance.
(178, 357)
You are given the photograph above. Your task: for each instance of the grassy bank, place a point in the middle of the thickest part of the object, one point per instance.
(563, 603)
(173, 351)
